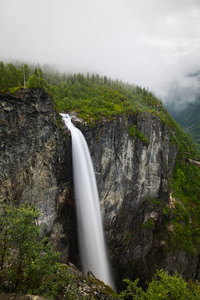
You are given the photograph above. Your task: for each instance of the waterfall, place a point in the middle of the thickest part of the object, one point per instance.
(90, 228)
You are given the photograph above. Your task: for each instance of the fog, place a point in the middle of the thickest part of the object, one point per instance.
(148, 42)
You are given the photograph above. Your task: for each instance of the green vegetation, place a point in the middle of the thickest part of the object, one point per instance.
(12, 78)
(162, 287)
(185, 217)
(187, 115)
(149, 224)
(94, 97)
(36, 80)
(186, 214)
(28, 264)
(136, 133)
(91, 96)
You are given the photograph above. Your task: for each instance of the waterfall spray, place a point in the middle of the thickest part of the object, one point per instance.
(90, 228)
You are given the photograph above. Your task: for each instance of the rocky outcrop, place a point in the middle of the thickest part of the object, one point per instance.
(29, 140)
(89, 286)
(35, 165)
(83, 287)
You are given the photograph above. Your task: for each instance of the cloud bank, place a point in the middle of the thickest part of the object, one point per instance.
(146, 42)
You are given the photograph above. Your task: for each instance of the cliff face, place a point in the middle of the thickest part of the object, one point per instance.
(133, 175)
(128, 169)
(29, 140)
(133, 178)
(34, 165)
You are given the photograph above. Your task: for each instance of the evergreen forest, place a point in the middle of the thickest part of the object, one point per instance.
(188, 118)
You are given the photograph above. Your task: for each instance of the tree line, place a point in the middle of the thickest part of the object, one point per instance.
(90, 95)
(23, 76)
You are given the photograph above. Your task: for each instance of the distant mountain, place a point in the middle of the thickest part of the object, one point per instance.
(196, 74)
(183, 104)
(188, 118)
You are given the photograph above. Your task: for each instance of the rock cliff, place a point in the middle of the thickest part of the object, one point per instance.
(29, 139)
(35, 166)
(133, 174)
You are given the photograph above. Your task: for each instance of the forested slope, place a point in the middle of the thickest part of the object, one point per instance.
(188, 118)
(92, 96)
(183, 103)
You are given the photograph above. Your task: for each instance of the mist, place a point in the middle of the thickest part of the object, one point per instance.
(150, 43)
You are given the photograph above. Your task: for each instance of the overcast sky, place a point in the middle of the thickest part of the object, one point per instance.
(146, 42)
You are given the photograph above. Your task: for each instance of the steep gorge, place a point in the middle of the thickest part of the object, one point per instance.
(133, 178)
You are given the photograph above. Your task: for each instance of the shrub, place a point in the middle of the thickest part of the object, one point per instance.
(28, 263)
(163, 287)
(133, 132)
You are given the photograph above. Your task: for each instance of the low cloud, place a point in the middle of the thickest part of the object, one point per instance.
(149, 43)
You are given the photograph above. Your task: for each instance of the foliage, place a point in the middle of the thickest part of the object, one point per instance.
(150, 223)
(36, 80)
(94, 97)
(27, 262)
(91, 96)
(29, 265)
(186, 214)
(186, 190)
(136, 133)
(12, 77)
(133, 131)
(187, 116)
(163, 286)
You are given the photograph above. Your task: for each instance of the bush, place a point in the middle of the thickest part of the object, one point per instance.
(27, 262)
(36, 82)
(162, 287)
(133, 132)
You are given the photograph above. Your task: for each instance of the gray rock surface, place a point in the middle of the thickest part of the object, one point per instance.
(133, 178)
(31, 153)
(129, 170)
